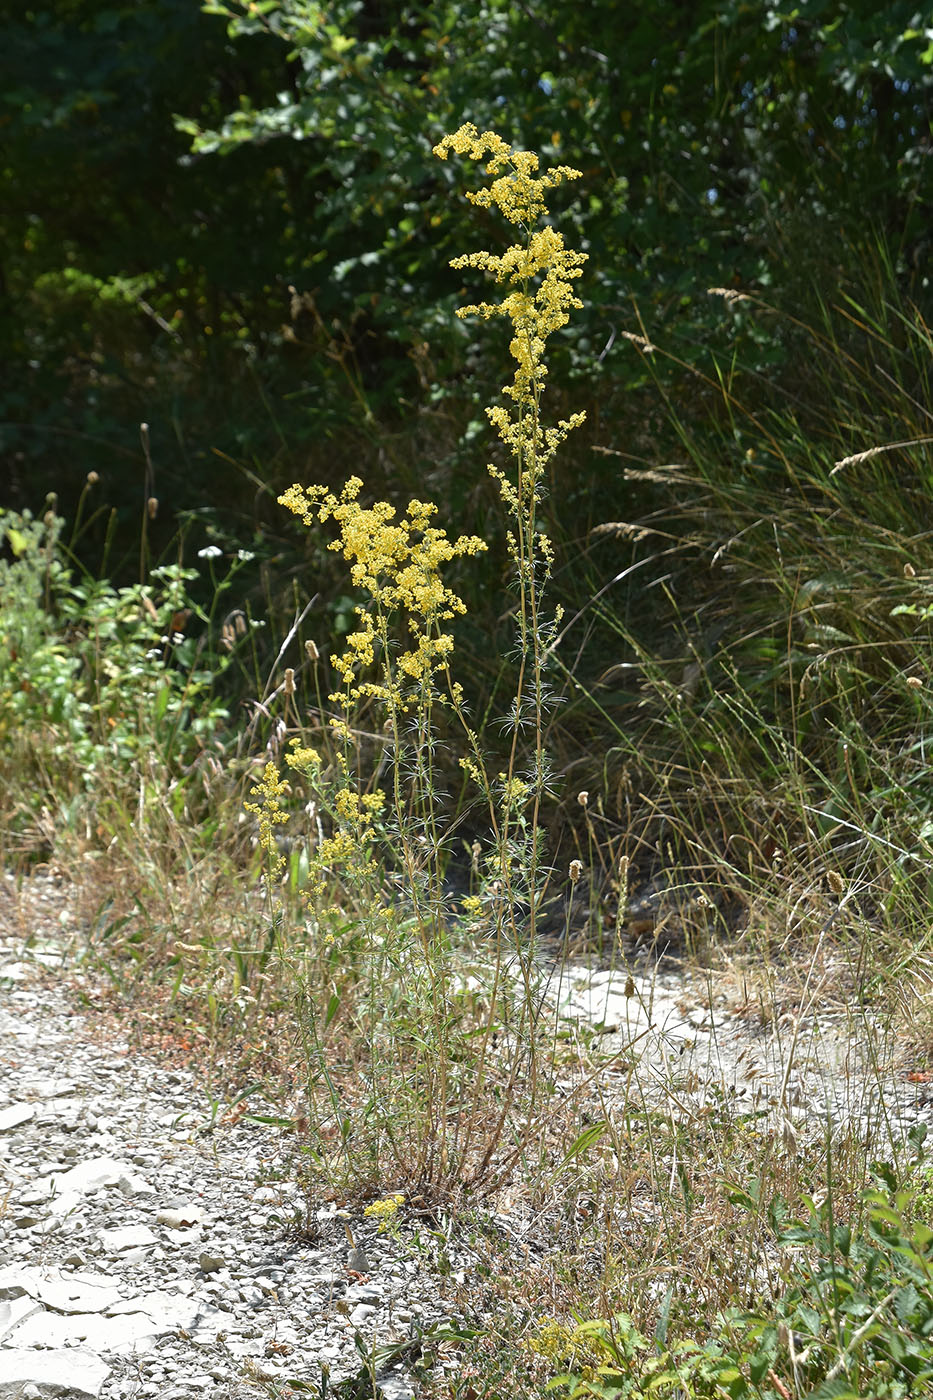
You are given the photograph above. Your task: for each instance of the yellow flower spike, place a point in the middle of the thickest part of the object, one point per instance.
(267, 809)
(540, 272)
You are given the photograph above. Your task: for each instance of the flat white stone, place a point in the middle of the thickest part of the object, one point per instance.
(34, 1195)
(66, 1202)
(78, 1292)
(180, 1238)
(17, 1280)
(210, 1321)
(92, 1175)
(129, 1237)
(15, 1115)
(121, 1336)
(72, 1375)
(170, 1304)
(396, 1387)
(176, 1218)
(15, 1311)
(49, 959)
(100, 1172)
(50, 1088)
(68, 1293)
(132, 1326)
(603, 1006)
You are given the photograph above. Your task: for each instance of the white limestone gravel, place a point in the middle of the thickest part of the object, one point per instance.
(143, 1257)
(148, 1246)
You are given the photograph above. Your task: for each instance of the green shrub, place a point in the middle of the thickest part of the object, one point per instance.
(99, 686)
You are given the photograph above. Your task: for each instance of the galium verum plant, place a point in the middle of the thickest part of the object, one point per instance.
(539, 272)
(440, 1105)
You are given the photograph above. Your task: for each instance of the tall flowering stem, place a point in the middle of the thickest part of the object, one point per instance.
(537, 274)
(397, 563)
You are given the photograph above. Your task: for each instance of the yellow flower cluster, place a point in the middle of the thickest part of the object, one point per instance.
(515, 792)
(398, 563)
(564, 1345)
(385, 1212)
(536, 311)
(269, 791)
(305, 759)
(357, 809)
(518, 194)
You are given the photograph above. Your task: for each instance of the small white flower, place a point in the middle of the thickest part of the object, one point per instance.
(245, 555)
(210, 551)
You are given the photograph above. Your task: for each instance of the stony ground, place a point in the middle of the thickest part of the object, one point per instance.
(145, 1253)
(153, 1245)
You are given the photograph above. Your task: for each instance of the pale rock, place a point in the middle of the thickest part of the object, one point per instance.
(67, 1293)
(15, 1116)
(180, 1238)
(128, 1237)
(179, 1217)
(25, 1221)
(366, 1293)
(395, 1387)
(36, 1195)
(65, 1203)
(16, 1282)
(210, 1263)
(15, 1311)
(169, 1304)
(101, 1172)
(50, 1088)
(133, 1327)
(71, 1374)
(210, 1321)
(48, 958)
(92, 1175)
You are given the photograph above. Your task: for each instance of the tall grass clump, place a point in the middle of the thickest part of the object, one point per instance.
(423, 1063)
(767, 712)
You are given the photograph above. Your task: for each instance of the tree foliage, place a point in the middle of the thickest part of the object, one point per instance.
(228, 223)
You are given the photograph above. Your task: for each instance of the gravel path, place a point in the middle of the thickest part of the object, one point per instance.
(148, 1253)
(142, 1256)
